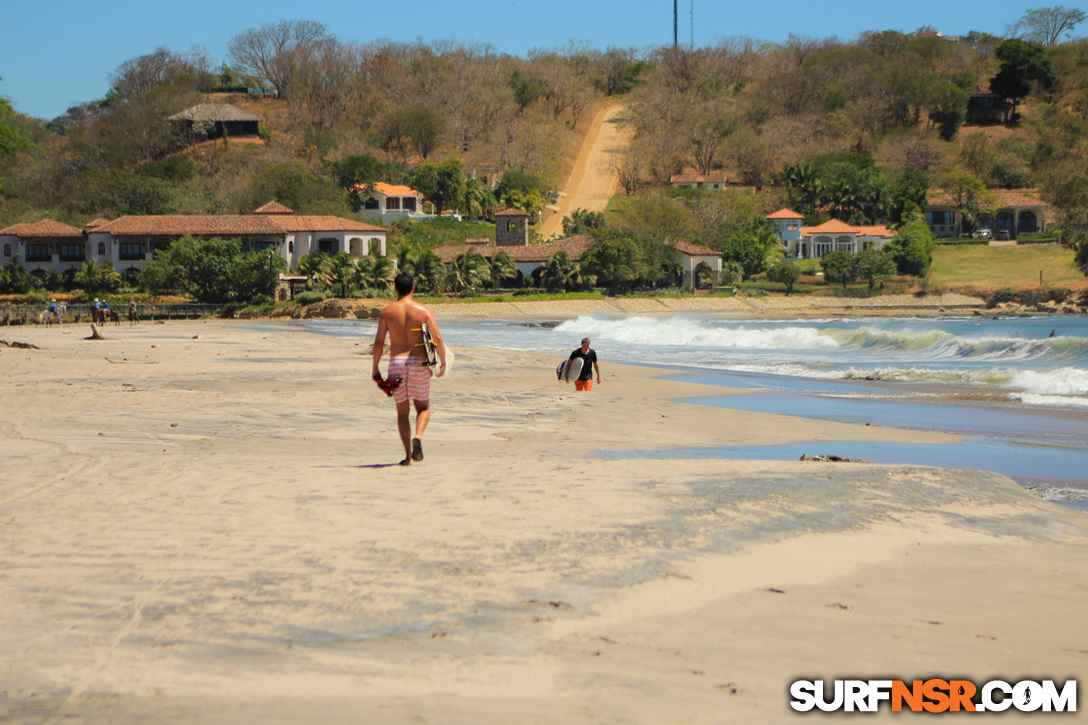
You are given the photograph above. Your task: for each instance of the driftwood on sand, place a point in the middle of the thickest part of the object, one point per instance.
(94, 334)
(20, 345)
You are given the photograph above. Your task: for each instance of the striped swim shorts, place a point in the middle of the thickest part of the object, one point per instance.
(417, 378)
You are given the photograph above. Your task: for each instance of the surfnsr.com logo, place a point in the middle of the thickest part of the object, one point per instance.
(934, 695)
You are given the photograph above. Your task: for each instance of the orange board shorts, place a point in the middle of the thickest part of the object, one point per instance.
(586, 385)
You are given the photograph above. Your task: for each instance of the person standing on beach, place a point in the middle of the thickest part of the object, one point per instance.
(401, 321)
(588, 355)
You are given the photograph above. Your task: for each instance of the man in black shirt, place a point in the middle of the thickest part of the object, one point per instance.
(585, 380)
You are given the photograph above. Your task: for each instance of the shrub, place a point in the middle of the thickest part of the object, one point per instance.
(308, 297)
(1006, 294)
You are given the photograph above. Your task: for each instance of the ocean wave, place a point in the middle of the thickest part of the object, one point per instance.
(928, 344)
(686, 332)
(1062, 381)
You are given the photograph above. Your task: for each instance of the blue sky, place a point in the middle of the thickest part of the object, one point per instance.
(57, 53)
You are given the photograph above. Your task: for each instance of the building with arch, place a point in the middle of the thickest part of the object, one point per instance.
(1019, 213)
(130, 242)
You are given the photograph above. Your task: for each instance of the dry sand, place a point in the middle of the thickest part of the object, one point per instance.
(200, 523)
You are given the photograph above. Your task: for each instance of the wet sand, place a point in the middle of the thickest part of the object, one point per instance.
(202, 522)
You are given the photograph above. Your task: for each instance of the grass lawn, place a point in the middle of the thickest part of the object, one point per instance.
(994, 268)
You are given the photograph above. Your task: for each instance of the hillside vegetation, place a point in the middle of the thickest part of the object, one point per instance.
(857, 130)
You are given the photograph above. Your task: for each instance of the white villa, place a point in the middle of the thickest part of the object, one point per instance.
(388, 203)
(132, 241)
(831, 236)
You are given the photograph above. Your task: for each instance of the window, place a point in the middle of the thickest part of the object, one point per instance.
(1028, 223)
(793, 225)
(263, 246)
(71, 252)
(409, 203)
(131, 251)
(329, 246)
(392, 203)
(38, 253)
(938, 218)
(101, 249)
(372, 203)
(511, 226)
(7, 250)
(290, 247)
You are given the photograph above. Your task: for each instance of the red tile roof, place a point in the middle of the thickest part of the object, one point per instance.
(833, 226)
(785, 214)
(207, 225)
(573, 246)
(511, 212)
(44, 228)
(1005, 198)
(95, 223)
(692, 250)
(273, 207)
(390, 189)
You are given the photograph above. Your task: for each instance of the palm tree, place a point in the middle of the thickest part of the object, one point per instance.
(474, 198)
(559, 273)
(93, 277)
(430, 272)
(11, 275)
(500, 267)
(315, 267)
(377, 272)
(343, 272)
(466, 271)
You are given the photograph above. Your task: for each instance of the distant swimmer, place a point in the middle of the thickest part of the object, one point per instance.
(587, 355)
(1052, 333)
(404, 321)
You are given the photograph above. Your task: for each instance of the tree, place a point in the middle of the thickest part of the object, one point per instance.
(442, 183)
(314, 266)
(970, 196)
(276, 51)
(207, 269)
(94, 278)
(1022, 63)
(753, 249)
(343, 272)
(559, 273)
(356, 174)
(616, 261)
(501, 267)
(376, 272)
(912, 248)
(839, 268)
(785, 273)
(1048, 25)
(466, 272)
(581, 221)
(873, 265)
(12, 140)
(411, 127)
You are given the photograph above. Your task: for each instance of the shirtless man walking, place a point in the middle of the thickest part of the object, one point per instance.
(401, 322)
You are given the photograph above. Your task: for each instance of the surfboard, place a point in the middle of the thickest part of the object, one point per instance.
(430, 352)
(573, 370)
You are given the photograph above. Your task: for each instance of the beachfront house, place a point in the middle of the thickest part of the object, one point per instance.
(388, 203)
(1019, 213)
(130, 242)
(831, 236)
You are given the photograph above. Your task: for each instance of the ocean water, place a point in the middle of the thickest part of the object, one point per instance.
(1017, 386)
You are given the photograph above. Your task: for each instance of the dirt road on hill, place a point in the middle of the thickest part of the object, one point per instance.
(590, 185)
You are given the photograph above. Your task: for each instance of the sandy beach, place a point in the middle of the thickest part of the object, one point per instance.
(203, 522)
